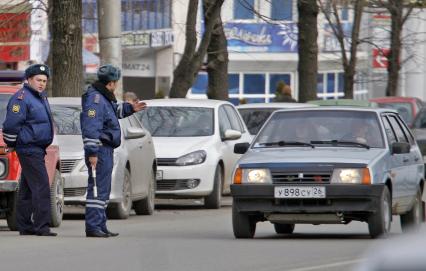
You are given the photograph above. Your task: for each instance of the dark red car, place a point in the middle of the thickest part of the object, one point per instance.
(10, 169)
(407, 107)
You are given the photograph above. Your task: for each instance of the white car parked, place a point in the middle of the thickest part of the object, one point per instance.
(133, 175)
(194, 143)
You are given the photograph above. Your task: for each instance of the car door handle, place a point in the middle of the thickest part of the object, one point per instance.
(416, 159)
(405, 159)
(140, 146)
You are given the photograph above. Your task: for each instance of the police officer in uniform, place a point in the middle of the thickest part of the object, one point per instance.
(101, 135)
(28, 129)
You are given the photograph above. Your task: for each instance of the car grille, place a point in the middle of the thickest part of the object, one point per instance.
(74, 192)
(67, 165)
(166, 185)
(166, 161)
(279, 177)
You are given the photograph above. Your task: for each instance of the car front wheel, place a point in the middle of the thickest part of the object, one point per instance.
(121, 210)
(243, 225)
(212, 201)
(146, 206)
(57, 200)
(379, 222)
(415, 216)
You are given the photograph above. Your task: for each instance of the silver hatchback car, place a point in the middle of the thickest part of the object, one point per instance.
(328, 165)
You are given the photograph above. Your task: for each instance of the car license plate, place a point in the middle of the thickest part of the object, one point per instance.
(300, 192)
(159, 175)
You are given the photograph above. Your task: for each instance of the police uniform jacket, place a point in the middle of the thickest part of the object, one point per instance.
(28, 120)
(99, 119)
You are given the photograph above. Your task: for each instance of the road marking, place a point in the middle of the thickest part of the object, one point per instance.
(319, 267)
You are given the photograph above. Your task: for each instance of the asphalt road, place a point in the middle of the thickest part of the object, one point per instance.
(184, 236)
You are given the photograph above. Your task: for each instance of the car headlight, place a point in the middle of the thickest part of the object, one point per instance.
(252, 176)
(2, 167)
(351, 176)
(193, 158)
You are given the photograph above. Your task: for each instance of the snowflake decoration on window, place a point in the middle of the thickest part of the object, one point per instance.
(289, 33)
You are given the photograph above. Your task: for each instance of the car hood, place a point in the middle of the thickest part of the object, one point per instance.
(174, 147)
(309, 155)
(71, 146)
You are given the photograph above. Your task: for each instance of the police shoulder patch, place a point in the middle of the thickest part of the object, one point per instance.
(16, 108)
(91, 113)
(97, 98)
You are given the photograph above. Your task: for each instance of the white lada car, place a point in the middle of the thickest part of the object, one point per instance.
(194, 142)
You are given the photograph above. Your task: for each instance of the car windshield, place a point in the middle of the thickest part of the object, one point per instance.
(67, 119)
(4, 99)
(321, 128)
(173, 121)
(404, 109)
(420, 121)
(255, 117)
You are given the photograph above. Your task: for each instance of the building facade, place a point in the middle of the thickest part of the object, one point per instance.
(263, 51)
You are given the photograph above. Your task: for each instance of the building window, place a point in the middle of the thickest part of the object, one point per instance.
(274, 79)
(330, 85)
(282, 10)
(90, 21)
(254, 84)
(200, 85)
(135, 15)
(243, 9)
(233, 83)
(345, 12)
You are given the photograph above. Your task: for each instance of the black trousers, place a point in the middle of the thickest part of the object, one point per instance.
(33, 206)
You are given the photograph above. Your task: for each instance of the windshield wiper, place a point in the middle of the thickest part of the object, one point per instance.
(337, 142)
(287, 143)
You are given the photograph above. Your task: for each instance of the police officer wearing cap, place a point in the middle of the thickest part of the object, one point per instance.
(28, 129)
(101, 135)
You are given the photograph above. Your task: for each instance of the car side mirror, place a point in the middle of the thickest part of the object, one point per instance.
(241, 148)
(231, 135)
(133, 133)
(400, 147)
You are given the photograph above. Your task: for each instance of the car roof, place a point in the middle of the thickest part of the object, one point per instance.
(65, 100)
(10, 89)
(274, 105)
(183, 102)
(393, 99)
(342, 108)
(344, 102)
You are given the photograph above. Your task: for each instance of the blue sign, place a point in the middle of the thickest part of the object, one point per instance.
(261, 37)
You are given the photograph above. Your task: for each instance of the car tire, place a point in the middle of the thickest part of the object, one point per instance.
(243, 225)
(146, 206)
(212, 201)
(121, 210)
(56, 200)
(12, 199)
(414, 217)
(284, 228)
(379, 223)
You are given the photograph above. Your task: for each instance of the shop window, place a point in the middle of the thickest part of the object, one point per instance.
(330, 82)
(282, 10)
(234, 101)
(243, 9)
(275, 78)
(233, 83)
(254, 84)
(320, 83)
(200, 85)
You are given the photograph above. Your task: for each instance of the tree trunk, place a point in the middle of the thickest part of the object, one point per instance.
(185, 73)
(396, 10)
(308, 49)
(66, 47)
(217, 59)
